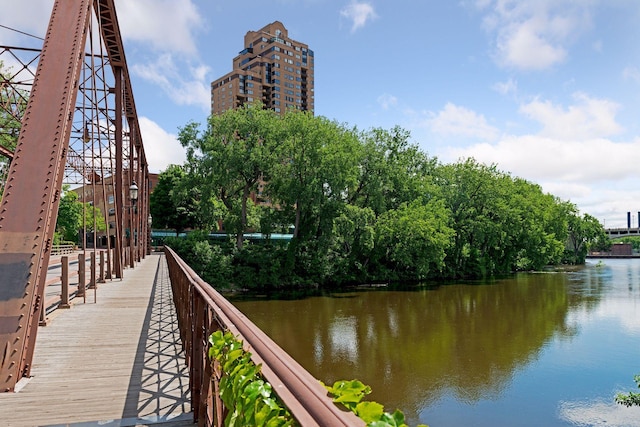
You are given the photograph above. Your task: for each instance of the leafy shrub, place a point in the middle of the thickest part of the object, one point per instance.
(350, 395)
(250, 400)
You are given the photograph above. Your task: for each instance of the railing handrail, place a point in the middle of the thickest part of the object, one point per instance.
(62, 249)
(302, 394)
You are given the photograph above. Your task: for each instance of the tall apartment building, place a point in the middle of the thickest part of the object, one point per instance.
(271, 68)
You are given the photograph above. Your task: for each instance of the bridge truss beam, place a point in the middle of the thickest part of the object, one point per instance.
(79, 126)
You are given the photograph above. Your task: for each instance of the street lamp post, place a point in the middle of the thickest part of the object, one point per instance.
(133, 196)
(149, 222)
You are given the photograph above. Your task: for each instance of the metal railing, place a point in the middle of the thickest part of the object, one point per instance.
(202, 311)
(84, 270)
(62, 249)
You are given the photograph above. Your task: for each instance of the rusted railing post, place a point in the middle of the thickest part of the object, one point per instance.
(43, 313)
(109, 272)
(101, 277)
(81, 276)
(92, 270)
(64, 277)
(198, 352)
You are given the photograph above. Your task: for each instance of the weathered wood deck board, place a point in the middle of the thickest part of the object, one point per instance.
(116, 362)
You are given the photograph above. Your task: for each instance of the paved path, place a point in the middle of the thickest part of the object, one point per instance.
(117, 362)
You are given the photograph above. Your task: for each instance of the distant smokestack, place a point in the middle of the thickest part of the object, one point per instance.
(628, 219)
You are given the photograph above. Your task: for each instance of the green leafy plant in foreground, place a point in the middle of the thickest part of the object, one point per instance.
(250, 400)
(351, 393)
(631, 398)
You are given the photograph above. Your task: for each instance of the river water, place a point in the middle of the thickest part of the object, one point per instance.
(535, 349)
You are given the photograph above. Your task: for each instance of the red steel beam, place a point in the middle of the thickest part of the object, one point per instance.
(30, 202)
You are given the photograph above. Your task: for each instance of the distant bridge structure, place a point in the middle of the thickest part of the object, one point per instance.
(618, 233)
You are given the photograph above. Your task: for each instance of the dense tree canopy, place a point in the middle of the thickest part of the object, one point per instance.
(174, 201)
(75, 216)
(363, 206)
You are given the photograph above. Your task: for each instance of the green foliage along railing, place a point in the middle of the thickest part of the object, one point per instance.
(351, 393)
(251, 400)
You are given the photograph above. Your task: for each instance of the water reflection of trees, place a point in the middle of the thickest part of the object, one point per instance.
(411, 347)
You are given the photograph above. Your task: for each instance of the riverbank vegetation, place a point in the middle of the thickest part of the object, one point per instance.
(361, 207)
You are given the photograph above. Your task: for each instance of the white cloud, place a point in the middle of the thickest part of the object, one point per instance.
(387, 101)
(538, 158)
(31, 17)
(572, 156)
(185, 86)
(167, 25)
(454, 120)
(534, 34)
(510, 87)
(597, 46)
(631, 73)
(600, 413)
(359, 13)
(587, 173)
(161, 148)
(588, 118)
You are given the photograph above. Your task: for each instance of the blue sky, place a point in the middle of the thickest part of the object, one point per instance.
(548, 90)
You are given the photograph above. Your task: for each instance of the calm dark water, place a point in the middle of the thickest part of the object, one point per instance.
(544, 349)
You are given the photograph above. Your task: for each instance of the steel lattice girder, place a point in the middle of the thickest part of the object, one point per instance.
(30, 202)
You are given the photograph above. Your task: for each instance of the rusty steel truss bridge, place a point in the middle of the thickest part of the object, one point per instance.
(67, 116)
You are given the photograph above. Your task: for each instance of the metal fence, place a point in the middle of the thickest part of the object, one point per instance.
(202, 311)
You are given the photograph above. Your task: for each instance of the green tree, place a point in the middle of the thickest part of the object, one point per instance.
(540, 226)
(502, 223)
(391, 171)
(411, 241)
(231, 157)
(69, 221)
(317, 164)
(174, 203)
(585, 233)
(352, 245)
(93, 218)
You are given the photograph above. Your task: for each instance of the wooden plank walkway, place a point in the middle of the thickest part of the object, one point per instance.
(117, 362)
